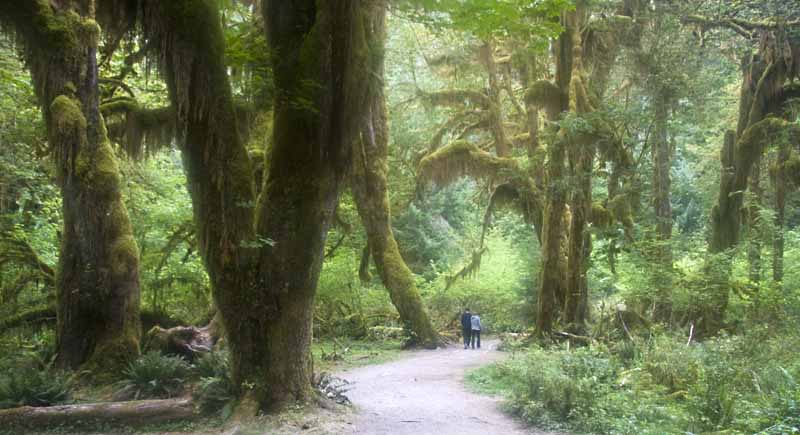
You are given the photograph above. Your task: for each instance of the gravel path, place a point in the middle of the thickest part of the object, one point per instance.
(424, 393)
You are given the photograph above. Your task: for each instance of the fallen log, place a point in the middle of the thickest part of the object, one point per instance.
(123, 413)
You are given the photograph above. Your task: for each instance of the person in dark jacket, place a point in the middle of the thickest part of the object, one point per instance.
(466, 326)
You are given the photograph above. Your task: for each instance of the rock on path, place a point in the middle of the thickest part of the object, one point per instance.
(424, 394)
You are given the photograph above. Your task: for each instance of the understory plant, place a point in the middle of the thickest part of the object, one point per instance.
(154, 375)
(738, 384)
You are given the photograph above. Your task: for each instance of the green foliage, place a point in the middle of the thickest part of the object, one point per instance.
(215, 390)
(485, 18)
(740, 384)
(34, 386)
(154, 376)
(27, 377)
(500, 291)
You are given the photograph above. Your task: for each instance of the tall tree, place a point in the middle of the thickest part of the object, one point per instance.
(264, 254)
(764, 92)
(369, 185)
(98, 276)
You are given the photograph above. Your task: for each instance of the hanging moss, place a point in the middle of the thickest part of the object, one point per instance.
(546, 95)
(792, 168)
(600, 217)
(461, 158)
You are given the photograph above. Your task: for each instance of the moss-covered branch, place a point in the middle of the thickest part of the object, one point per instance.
(461, 158)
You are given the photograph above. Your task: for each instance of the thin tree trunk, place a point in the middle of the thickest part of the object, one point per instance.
(662, 162)
(98, 280)
(779, 184)
(575, 307)
(501, 143)
(754, 235)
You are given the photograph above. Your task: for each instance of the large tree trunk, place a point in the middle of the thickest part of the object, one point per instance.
(264, 261)
(370, 169)
(762, 85)
(98, 279)
(553, 97)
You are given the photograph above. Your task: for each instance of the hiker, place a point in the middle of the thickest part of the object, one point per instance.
(466, 326)
(475, 323)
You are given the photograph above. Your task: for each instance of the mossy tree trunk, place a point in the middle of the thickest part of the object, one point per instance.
(369, 185)
(762, 87)
(779, 180)
(756, 201)
(264, 256)
(98, 273)
(553, 97)
(662, 206)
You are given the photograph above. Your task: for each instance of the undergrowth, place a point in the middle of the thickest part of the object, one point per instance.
(739, 384)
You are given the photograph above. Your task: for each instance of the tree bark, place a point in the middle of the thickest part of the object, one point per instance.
(369, 185)
(98, 280)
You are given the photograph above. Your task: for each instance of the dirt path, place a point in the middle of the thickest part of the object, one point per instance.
(424, 394)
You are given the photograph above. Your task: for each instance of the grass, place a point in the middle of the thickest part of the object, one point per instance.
(336, 355)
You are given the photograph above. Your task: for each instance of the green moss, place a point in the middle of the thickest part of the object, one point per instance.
(600, 217)
(89, 33)
(66, 114)
(124, 256)
(111, 357)
(106, 171)
(461, 158)
(543, 93)
(792, 168)
(621, 210)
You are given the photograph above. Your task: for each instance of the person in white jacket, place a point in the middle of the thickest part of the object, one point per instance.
(476, 330)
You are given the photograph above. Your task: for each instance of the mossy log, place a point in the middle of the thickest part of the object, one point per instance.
(187, 341)
(135, 413)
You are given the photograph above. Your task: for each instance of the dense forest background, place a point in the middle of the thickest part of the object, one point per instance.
(611, 185)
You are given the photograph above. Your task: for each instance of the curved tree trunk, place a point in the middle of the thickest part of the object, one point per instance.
(98, 279)
(264, 259)
(370, 169)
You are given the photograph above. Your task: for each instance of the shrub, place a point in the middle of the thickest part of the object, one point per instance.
(216, 389)
(30, 385)
(154, 376)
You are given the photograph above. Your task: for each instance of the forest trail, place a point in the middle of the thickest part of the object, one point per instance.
(424, 393)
